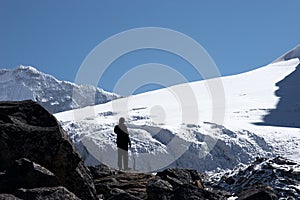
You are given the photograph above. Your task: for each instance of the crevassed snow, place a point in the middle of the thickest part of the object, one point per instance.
(163, 137)
(26, 82)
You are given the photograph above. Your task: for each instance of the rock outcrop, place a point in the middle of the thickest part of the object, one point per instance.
(258, 192)
(170, 184)
(26, 174)
(28, 131)
(46, 193)
(115, 184)
(181, 184)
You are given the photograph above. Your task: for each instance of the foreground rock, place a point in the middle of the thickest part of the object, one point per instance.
(186, 184)
(170, 184)
(258, 192)
(46, 193)
(27, 130)
(114, 184)
(181, 184)
(26, 174)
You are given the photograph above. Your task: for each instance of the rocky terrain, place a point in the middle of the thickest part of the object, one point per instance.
(38, 161)
(283, 175)
(37, 156)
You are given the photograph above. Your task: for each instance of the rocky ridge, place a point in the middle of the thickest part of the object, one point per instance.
(35, 152)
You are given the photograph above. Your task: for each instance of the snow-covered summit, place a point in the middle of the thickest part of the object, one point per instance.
(294, 53)
(26, 82)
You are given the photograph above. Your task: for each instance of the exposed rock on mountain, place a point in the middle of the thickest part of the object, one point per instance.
(170, 184)
(27, 130)
(26, 174)
(181, 184)
(114, 184)
(258, 192)
(46, 193)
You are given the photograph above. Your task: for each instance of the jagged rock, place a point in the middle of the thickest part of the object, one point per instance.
(117, 194)
(180, 184)
(257, 193)
(131, 183)
(8, 197)
(191, 192)
(162, 189)
(178, 177)
(27, 130)
(46, 193)
(159, 189)
(26, 174)
(101, 171)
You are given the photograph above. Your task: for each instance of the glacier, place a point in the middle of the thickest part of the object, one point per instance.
(162, 137)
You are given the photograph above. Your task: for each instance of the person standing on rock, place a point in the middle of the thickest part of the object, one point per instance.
(123, 141)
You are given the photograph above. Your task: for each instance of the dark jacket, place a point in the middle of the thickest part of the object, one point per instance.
(122, 137)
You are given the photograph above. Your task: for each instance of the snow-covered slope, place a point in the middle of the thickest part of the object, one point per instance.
(164, 135)
(279, 173)
(26, 82)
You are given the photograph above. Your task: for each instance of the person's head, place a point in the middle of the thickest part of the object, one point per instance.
(121, 120)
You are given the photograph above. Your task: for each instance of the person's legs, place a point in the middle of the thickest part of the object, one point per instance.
(125, 159)
(120, 155)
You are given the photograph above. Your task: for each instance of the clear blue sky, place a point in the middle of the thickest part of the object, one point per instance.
(56, 36)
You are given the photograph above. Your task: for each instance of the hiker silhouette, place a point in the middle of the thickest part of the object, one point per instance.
(123, 141)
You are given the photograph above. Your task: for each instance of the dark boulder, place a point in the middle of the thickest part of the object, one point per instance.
(181, 184)
(257, 193)
(46, 193)
(178, 177)
(26, 174)
(191, 192)
(101, 171)
(27, 130)
(159, 189)
(111, 183)
(8, 197)
(117, 194)
(162, 189)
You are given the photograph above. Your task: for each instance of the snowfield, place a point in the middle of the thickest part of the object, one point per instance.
(183, 126)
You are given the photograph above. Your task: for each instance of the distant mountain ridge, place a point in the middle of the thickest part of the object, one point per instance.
(26, 82)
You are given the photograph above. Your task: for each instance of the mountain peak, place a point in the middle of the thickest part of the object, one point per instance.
(26, 69)
(29, 72)
(29, 68)
(26, 82)
(294, 53)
